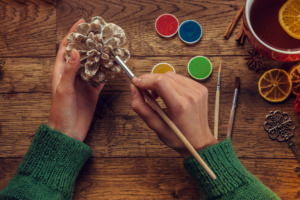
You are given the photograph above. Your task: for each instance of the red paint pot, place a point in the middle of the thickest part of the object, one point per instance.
(166, 25)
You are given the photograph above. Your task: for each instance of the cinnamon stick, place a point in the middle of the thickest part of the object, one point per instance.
(240, 32)
(242, 41)
(240, 37)
(227, 34)
(233, 23)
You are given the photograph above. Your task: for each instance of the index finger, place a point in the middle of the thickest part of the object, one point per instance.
(163, 85)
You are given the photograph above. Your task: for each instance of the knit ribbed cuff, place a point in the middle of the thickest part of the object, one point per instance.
(224, 163)
(54, 159)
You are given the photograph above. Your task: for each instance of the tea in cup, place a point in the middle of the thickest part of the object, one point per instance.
(266, 34)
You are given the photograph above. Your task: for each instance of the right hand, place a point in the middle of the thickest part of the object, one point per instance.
(186, 104)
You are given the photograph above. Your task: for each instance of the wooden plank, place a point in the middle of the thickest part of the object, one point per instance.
(137, 18)
(19, 120)
(30, 75)
(34, 74)
(160, 178)
(26, 75)
(8, 169)
(276, 173)
(27, 28)
(118, 132)
(129, 161)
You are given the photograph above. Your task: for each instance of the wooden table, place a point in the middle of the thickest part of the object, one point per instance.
(129, 161)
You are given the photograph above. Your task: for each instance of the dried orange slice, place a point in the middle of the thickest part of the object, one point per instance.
(295, 77)
(275, 85)
(289, 18)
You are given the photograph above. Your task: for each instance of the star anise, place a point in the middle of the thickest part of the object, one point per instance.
(254, 60)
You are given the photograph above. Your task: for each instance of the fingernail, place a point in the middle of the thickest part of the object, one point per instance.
(170, 73)
(72, 56)
(136, 80)
(133, 90)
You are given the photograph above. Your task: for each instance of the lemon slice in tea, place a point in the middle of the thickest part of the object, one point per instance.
(289, 18)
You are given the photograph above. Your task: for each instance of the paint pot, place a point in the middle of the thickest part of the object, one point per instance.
(166, 25)
(200, 67)
(190, 31)
(162, 68)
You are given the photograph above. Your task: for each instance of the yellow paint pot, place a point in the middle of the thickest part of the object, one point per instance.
(162, 68)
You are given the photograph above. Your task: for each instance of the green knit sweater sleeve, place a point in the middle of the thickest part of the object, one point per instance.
(49, 169)
(233, 180)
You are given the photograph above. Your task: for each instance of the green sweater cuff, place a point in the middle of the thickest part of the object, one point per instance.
(233, 180)
(54, 160)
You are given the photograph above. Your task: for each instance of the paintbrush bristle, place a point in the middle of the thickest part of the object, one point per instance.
(220, 66)
(112, 51)
(237, 82)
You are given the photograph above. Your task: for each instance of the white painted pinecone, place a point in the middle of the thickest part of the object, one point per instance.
(91, 40)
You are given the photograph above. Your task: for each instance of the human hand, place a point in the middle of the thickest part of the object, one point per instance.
(73, 101)
(186, 104)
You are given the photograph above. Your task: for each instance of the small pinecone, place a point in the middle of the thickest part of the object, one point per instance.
(91, 40)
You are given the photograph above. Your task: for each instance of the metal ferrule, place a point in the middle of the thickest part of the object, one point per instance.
(124, 67)
(219, 79)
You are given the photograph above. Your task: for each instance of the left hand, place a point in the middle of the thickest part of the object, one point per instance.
(73, 101)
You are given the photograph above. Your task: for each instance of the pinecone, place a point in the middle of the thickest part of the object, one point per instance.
(91, 40)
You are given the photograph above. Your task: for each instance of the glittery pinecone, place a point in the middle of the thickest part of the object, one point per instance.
(91, 40)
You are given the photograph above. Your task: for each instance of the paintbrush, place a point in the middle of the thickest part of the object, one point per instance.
(165, 117)
(232, 112)
(217, 103)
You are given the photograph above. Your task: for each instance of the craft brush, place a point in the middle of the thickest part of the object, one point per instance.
(164, 117)
(232, 112)
(217, 103)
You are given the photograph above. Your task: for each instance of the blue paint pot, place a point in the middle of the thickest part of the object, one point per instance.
(190, 31)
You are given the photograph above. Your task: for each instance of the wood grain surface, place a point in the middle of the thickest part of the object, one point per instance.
(129, 161)
(27, 28)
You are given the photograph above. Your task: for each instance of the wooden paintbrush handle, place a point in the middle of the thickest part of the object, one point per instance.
(174, 128)
(230, 123)
(217, 105)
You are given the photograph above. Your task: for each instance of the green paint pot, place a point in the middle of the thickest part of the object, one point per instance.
(200, 67)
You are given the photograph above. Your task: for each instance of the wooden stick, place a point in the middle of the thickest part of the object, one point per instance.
(217, 104)
(216, 124)
(230, 123)
(232, 111)
(174, 128)
(233, 23)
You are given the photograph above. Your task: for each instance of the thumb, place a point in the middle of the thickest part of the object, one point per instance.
(70, 70)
